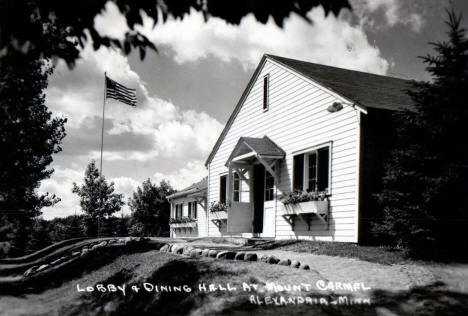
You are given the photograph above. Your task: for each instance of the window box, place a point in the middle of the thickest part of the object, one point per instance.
(185, 225)
(315, 207)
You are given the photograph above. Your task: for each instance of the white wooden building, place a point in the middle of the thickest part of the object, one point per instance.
(189, 211)
(302, 126)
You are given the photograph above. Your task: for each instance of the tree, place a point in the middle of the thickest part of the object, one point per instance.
(150, 209)
(48, 28)
(97, 199)
(425, 198)
(29, 136)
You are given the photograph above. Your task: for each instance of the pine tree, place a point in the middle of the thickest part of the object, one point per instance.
(425, 198)
(97, 199)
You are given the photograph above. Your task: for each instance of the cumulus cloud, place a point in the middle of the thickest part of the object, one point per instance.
(192, 172)
(329, 40)
(394, 12)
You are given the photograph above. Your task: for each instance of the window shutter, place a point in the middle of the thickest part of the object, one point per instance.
(323, 172)
(298, 172)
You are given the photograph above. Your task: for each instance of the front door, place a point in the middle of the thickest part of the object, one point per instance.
(258, 197)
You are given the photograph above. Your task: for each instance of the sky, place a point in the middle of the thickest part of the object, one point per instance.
(187, 91)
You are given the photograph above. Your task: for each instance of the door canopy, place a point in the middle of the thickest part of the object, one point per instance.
(249, 150)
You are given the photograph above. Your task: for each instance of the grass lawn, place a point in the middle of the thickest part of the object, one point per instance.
(163, 269)
(383, 255)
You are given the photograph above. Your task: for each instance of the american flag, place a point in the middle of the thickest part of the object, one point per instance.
(116, 91)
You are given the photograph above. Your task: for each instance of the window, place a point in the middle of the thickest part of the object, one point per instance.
(266, 87)
(192, 209)
(236, 187)
(269, 186)
(222, 189)
(178, 210)
(311, 170)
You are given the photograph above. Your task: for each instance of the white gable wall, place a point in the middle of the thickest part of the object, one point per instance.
(297, 119)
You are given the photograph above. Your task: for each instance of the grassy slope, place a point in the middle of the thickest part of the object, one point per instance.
(162, 268)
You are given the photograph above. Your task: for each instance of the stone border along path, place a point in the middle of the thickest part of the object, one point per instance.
(193, 252)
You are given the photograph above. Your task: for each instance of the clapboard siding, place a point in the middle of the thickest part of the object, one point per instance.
(296, 120)
(201, 229)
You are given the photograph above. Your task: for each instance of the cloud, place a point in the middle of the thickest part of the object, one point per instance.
(394, 11)
(183, 177)
(328, 40)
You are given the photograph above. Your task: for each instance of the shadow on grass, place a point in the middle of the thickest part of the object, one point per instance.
(74, 268)
(430, 300)
(175, 273)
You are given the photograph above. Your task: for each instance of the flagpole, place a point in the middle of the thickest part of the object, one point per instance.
(102, 131)
(102, 147)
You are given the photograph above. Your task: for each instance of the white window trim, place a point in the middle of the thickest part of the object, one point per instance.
(307, 152)
(240, 187)
(265, 189)
(267, 76)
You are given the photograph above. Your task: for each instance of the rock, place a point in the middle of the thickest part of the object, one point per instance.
(175, 248)
(84, 250)
(76, 253)
(284, 262)
(305, 267)
(56, 261)
(42, 267)
(239, 256)
(179, 250)
(212, 253)
(165, 248)
(30, 271)
(226, 255)
(249, 256)
(205, 252)
(186, 250)
(195, 253)
(295, 264)
(64, 258)
(269, 259)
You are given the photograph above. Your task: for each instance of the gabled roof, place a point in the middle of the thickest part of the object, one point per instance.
(365, 89)
(260, 146)
(194, 188)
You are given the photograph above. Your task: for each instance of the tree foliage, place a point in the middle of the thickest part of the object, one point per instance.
(425, 196)
(54, 28)
(29, 136)
(97, 198)
(150, 209)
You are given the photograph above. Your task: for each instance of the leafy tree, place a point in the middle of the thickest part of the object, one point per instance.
(150, 209)
(425, 196)
(40, 236)
(59, 28)
(29, 136)
(97, 199)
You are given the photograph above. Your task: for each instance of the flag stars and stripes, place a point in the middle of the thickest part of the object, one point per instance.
(116, 91)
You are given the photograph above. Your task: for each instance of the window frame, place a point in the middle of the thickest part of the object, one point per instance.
(272, 189)
(266, 92)
(192, 209)
(307, 152)
(221, 194)
(236, 178)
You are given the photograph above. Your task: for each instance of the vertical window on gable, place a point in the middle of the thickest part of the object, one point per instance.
(266, 87)
(311, 171)
(236, 188)
(222, 189)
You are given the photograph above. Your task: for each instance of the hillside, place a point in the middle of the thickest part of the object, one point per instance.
(401, 289)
